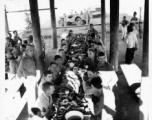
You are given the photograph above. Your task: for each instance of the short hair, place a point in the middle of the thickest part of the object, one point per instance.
(135, 12)
(91, 50)
(9, 33)
(124, 16)
(96, 82)
(35, 110)
(14, 31)
(46, 86)
(101, 54)
(61, 50)
(25, 42)
(47, 72)
(93, 35)
(92, 69)
(70, 30)
(51, 63)
(63, 44)
(23, 46)
(99, 43)
(57, 57)
(91, 24)
(62, 40)
(129, 28)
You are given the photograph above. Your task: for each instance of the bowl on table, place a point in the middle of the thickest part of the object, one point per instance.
(74, 115)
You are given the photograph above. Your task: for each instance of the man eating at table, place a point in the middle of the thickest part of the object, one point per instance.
(97, 98)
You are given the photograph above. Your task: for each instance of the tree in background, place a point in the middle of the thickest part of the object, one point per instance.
(28, 21)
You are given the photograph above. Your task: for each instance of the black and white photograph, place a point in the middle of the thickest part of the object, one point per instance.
(75, 60)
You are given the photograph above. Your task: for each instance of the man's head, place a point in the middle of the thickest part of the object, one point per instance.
(70, 32)
(48, 88)
(9, 35)
(130, 28)
(91, 26)
(91, 53)
(96, 86)
(124, 17)
(62, 52)
(63, 41)
(36, 111)
(15, 33)
(91, 71)
(30, 40)
(101, 57)
(30, 50)
(65, 47)
(53, 66)
(57, 59)
(135, 14)
(48, 76)
(22, 48)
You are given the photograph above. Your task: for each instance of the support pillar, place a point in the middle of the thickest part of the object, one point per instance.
(6, 23)
(103, 27)
(36, 33)
(53, 24)
(114, 33)
(145, 61)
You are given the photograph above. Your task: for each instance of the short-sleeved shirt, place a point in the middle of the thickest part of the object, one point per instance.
(105, 67)
(44, 103)
(13, 65)
(26, 67)
(124, 22)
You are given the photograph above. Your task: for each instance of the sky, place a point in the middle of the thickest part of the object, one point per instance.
(16, 20)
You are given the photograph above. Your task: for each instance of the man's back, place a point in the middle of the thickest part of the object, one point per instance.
(26, 67)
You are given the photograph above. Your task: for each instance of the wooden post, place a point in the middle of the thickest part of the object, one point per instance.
(6, 24)
(103, 16)
(114, 33)
(145, 62)
(140, 24)
(53, 24)
(36, 33)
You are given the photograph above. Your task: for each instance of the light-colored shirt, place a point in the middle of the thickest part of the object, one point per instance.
(131, 40)
(26, 67)
(13, 65)
(44, 103)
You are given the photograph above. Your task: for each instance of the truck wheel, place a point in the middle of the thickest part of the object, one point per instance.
(79, 21)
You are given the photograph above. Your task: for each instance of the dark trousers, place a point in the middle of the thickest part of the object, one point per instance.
(129, 55)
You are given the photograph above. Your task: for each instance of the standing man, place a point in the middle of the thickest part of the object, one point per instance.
(27, 68)
(132, 44)
(16, 38)
(124, 27)
(134, 19)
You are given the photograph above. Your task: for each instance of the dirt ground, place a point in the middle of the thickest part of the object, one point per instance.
(127, 106)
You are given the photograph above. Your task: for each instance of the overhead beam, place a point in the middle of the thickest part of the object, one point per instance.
(27, 10)
(36, 33)
(103, 16)
(145, 61)
(114, 33)
(53, 24)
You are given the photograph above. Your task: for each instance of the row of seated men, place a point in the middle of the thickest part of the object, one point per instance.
(76, 52)
(68, 58)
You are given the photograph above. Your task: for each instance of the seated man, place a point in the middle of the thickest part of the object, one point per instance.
(53, 67)
(91, 73)
(102, 64)
(93, 30)
(97, 98)
(45, 101)
(61, 68)
(63, 59)
(47, 77)
(91, 60)
(27, 65)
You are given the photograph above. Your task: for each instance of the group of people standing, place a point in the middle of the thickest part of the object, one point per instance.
(129, 36)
